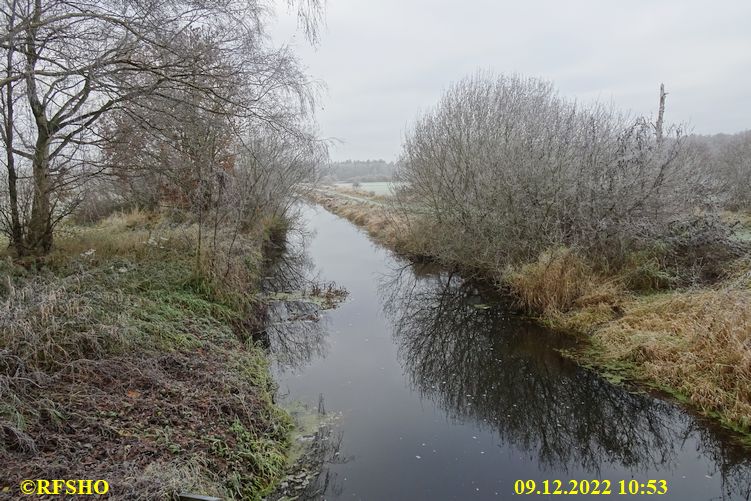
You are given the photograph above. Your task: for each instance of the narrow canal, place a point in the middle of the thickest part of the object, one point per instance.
(442, 394)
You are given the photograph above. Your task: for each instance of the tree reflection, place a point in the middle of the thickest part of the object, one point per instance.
(479, 363)
(293, 329)
(288, 265)
(295, 333)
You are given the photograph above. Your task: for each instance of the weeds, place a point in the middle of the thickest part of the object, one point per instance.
(119, 361)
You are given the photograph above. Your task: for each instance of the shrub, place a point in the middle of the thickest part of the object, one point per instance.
(508, 169)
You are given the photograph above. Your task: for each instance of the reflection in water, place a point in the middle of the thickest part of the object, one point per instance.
(477, 363)
(447, 398)
(294, 331)
(324, 452)
(290, 267)
(312, 476)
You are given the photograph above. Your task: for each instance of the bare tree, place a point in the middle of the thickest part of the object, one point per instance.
(735, 171)
(74, 62)
(206, 158)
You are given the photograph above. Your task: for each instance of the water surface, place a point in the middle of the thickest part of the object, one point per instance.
(444, 394)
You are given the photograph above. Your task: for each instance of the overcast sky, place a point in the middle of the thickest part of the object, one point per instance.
(383, 61)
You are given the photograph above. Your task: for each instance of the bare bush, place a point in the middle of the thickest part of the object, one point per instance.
(504, 169)
(727, 158)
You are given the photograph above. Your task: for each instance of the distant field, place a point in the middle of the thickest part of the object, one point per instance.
(384, 188)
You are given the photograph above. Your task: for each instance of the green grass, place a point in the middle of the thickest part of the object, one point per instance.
(134, 352)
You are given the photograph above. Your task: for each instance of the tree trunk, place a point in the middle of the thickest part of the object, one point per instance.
(39, 234)
(39, 230)
(660, 113)
(16, 230)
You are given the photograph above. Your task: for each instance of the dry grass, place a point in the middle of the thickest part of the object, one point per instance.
(559, 281)
(743, 218)
(136, 235)
(119, 361)
(229, 261)
(695, 343)
(383, 226)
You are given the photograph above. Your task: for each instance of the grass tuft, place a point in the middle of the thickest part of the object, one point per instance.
(558, 281)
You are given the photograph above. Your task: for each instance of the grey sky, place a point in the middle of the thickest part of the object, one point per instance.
(383, 61)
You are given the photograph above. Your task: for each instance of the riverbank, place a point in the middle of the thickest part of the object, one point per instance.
(118, 361)
(693, 343)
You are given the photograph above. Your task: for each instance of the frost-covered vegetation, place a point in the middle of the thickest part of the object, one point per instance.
(119, 362)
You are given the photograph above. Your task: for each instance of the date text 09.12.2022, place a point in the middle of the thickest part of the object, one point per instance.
(591, 487)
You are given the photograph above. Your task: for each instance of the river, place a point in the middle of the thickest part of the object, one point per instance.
(443, 394)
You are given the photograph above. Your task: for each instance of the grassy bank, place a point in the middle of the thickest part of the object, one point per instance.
(369, 212)
(119, 361)
(692, 342)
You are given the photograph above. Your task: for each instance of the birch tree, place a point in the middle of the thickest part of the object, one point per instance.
(69, 63)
